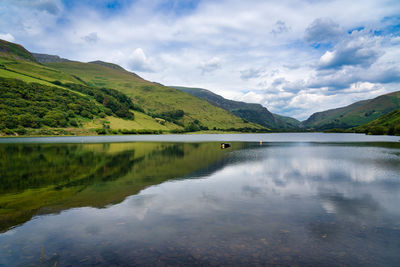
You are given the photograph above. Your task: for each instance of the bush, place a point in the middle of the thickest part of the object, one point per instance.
(377, 130)
(21, 131)
(8, 131)
(73, 123)
(101, 131)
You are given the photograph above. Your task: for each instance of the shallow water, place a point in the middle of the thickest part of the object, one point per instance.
(157, 203)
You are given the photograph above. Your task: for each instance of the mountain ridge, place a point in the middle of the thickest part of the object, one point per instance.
(355, 114)
(252, 112)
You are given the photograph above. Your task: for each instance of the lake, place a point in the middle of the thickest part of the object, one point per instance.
(180, 200)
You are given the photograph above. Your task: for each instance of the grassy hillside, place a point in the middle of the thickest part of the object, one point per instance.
(355, 114)
(158, 107)
(34, 105)
(155, 99)
(14, 51)
(23, 69)
(290, 123)
(255, 113)
(386, 124)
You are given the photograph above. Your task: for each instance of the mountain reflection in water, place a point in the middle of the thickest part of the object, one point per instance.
(194, 204)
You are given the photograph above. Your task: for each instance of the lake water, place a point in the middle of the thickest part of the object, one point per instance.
(295, 199)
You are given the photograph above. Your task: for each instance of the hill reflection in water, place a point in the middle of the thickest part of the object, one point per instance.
(194, 204)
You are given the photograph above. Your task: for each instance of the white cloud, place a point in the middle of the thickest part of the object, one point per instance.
(138, 61)
(7, 37)
(211, 65)
(359, 49)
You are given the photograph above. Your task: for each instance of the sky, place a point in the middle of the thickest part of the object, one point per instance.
(295, 57)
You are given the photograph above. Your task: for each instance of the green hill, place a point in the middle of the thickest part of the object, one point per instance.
(386, 124)
(156, 107)
(14, 51)
(155, 99)
(353, 115)
(255, 113)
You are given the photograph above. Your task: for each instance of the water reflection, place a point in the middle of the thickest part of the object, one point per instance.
(41, 179)
(284, 204)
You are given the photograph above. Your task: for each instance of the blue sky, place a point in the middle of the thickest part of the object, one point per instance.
(295, 57)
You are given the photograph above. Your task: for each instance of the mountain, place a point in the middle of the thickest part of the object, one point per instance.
(255, 113)
(386, 124)
(353, 115)
(290, 123)
(14, 51)
(155, 99)
(115, 91)
(44, 58)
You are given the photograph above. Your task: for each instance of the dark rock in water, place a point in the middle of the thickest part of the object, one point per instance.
(225, 145)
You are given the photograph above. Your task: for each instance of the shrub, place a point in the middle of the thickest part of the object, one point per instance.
(377, 130)
(101, 131)
(21, 130)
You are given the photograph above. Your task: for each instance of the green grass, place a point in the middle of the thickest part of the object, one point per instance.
(141, 122)
(355, 114)
(154, 98)
(10, 74)
(16, 51)
(38, 71)
(386, 124)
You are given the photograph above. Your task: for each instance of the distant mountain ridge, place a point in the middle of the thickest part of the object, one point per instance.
(353, 115)
(44, 58)
(249, 111)
(107, 64)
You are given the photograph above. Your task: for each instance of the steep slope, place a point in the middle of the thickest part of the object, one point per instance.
(251, 112)
(386, 124)
(14, 51)
(290, 123)
(154, 98)
(355, 114)
(158, 107)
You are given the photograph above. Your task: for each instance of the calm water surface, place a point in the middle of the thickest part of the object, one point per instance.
(168, 203)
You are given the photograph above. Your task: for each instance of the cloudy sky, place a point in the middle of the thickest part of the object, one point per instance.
(295, 57)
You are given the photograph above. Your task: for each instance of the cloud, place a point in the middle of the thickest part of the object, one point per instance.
(50, 6)
(7, 37)
(359, 51)
(251, 73)
(279, 81)
(138, 61)
(91, 37)
(211, 65)
(280, 27)
(322, 30)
